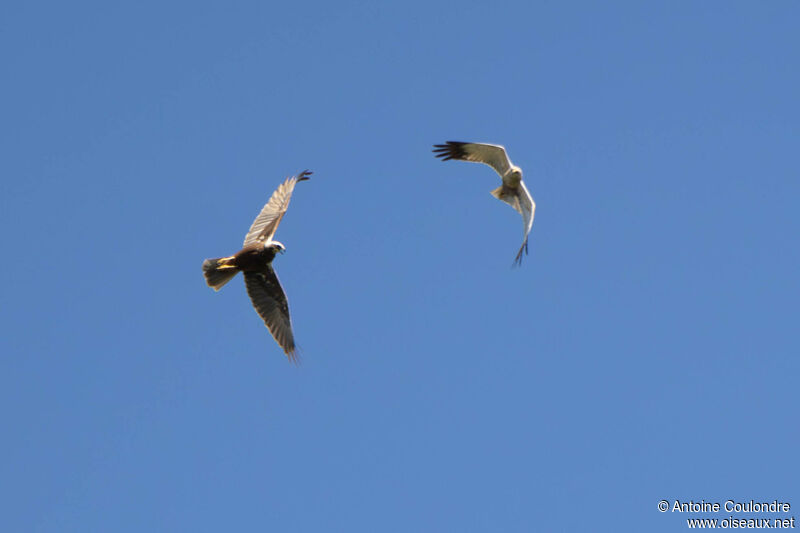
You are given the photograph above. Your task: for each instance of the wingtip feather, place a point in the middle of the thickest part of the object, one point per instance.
(293, 354)
(450, 150)
(518, 260)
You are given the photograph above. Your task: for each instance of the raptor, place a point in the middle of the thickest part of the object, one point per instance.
(254, 260)
(512, 191)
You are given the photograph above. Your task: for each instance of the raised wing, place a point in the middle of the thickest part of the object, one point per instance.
(265, 224)
(493, 155)
(526, 207)
(270, 302)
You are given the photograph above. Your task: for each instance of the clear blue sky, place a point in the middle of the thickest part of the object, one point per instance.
(647, 349)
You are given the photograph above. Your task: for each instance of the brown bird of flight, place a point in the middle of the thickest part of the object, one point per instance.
(254, 260)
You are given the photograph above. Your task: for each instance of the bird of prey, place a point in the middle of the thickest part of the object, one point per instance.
(512, 191)
(254, 260)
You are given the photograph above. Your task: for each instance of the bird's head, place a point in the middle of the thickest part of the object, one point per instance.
(516, 171)
(276, 246)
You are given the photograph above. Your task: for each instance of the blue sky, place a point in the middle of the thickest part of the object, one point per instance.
(646, 349)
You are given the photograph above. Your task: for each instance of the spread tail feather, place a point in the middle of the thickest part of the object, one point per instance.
(218, 271)
(507, 195)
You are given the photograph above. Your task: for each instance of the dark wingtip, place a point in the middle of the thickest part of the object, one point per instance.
(518, 260)
(293, 354)
(450, 150)
(304, 175)
(443, 153)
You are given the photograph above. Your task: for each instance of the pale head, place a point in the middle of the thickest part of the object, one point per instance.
(275, 245)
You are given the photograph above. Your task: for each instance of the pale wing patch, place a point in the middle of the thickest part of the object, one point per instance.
(527, 208)
(266, 223)
(493, 155)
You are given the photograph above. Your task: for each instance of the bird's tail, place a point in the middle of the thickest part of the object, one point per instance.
(507, 195)
(219, 271)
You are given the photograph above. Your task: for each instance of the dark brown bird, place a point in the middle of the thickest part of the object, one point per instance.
(254, 260)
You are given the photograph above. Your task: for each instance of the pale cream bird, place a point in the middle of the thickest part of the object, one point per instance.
(512, 191)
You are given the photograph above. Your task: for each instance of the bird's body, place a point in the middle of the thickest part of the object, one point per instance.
(254, 257)
(513, 190)
(254, 260)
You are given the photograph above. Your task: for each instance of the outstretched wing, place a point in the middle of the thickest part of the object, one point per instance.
(526, 207)
(493, 155)
(270, 302)
(265, 224)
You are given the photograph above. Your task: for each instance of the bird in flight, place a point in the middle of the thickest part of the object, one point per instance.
(254, 260)
(512, 191)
